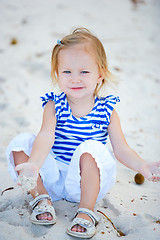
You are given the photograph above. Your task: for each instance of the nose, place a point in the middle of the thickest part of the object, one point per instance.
(75, 78)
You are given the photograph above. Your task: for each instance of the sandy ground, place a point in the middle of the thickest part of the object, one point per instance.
(131, 35)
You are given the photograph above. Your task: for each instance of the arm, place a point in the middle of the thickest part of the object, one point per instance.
(46, 136)
(44, 140)
(125, 154)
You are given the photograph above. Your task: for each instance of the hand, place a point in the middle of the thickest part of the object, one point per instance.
(151, 171)
(28, 175)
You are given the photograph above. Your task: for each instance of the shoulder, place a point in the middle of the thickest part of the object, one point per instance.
(105, 106)
(110, 99)
(49, 117)
(108, 103)
(49, 111)
(56, 98)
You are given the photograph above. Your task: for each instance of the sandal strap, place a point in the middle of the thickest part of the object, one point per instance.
(40, 209)
(82, 222)
(90, 213)
(39, 198)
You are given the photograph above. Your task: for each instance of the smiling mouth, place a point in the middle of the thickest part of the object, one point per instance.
(77, 88)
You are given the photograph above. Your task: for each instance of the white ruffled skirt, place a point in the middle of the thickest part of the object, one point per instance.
(63, 181)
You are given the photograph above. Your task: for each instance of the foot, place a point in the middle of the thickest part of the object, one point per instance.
(78, 228)
(47, 215)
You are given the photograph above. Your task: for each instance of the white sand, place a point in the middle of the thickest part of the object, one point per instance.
(131, 37)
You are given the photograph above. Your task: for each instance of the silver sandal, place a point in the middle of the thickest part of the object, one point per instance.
(42, 208)
(89, 226)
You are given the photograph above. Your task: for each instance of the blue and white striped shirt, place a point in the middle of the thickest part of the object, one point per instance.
(71, 131)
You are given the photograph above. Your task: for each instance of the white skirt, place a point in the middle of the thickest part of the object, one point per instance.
(63, 181)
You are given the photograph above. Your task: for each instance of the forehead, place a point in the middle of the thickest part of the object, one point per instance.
(82, 53)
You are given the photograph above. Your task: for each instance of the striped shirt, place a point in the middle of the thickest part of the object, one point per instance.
(71, 131)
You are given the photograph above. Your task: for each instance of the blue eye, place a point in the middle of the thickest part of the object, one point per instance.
(84, 72)
(67, 72)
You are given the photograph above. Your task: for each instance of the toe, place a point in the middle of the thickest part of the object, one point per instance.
(38, 217)
(78, 228)
(74, 228)
(45, 216)
(49, 216)
(42, 216)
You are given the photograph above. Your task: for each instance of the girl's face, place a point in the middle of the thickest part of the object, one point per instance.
(78, 73)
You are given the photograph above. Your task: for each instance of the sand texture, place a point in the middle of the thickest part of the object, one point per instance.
(130, 33)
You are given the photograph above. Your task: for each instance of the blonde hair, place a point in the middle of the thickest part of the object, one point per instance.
(79, 36)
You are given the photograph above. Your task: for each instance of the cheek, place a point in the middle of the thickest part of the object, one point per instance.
(62, 84)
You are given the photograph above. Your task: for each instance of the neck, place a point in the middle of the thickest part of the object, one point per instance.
(81, 107)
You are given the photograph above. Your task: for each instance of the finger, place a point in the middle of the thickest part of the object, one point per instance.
(20, 166)
(156, 179)
(27, 167)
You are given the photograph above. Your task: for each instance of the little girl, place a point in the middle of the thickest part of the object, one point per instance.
(69, 158)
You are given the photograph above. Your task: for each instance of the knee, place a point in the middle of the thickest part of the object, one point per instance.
(85, 159)
(87, 162)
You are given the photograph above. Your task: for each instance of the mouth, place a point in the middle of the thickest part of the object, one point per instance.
(76, 88)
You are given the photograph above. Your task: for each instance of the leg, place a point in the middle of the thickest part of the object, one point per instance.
(21, 157)
(90, 186)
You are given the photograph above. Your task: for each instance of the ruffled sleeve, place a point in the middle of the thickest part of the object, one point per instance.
(59, 101)
(110, 102)
(48, 96)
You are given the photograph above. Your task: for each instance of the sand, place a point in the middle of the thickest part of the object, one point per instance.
(130, 33)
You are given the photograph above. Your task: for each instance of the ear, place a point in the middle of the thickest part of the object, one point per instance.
(100, 78)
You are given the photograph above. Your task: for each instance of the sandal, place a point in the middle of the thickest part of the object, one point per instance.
(89, 226)
(42, 208)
